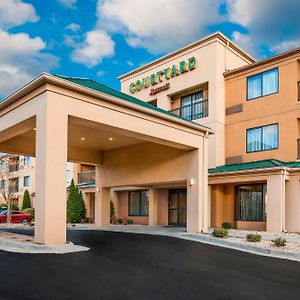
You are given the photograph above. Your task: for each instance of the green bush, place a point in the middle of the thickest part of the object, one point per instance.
(279, 242)
(29, 211)
(26, 200)
(253, 237)
(76, 211)
(129, 221)
(119, 221)
(220, 232)
(226, 225)
(14, 206)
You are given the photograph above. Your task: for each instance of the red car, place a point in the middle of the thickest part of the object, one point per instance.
(16, 217)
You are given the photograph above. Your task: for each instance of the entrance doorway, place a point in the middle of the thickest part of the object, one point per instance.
(177, 207)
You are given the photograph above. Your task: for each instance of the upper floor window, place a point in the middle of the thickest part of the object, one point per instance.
(26, 160)
(26, 181)
(193, 106)
(262, 84)
(262, 138)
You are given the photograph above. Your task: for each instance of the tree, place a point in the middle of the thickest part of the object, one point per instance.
(76, 211)
(9, 185)
(26, 200)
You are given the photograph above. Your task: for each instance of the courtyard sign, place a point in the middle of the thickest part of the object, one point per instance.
(160, 76)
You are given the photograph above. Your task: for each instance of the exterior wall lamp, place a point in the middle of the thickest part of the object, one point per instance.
(192, 182)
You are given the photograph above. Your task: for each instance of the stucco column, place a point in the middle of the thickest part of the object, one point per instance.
(197, 190)
(275, 203)
(102, 201)
(153, 195)
(51, 174)
(86, 200)
(114, 199)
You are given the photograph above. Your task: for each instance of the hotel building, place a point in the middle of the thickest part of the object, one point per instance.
(201, 136)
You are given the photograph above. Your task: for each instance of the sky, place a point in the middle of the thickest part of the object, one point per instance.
(106, 38)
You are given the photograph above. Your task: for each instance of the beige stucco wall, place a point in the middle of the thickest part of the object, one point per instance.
(282, 108)
(213, 59)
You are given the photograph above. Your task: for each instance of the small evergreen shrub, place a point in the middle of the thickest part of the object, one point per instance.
(279, 242)
(220, 233)
(14, 206)
(29, 211)
(226, 225)
(26, 200)
(253, 237)
(119, 221)
(76, 211)
(129, 221)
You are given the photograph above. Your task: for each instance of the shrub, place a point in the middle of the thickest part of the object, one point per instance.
(14, 206)
(129, 221)
(26, 200)
(76, 211)
(119, 221)
(253, 237)
(29, 211)
(279, 242)
(112, 209)
(226, 225)
(220, 233)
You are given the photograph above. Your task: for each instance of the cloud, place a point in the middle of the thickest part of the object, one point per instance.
(68, 3)
(101, 73)
(73, 27)
(21, 58)
(129, 63)
(162, 25)
(15, 12)
(286, 45)
(267, 22)
(96, 46)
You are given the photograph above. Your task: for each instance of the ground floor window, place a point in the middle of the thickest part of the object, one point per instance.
(250, 202)
(138, 203)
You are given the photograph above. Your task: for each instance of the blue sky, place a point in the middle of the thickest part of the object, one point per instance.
(106, 38)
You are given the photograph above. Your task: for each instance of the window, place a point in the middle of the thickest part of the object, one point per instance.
(251, 202)
(2, 184)
(26, 180)
(138, 203)
(193, 106)
(3, 165)
(262, 84)
(262, 138)
(26, 160)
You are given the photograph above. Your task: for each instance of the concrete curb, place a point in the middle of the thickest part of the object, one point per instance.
(21, 247)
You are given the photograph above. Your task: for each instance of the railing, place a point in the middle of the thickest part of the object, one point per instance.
(85, 177)
(193, 111)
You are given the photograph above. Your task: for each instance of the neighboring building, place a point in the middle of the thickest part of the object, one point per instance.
(18, 172)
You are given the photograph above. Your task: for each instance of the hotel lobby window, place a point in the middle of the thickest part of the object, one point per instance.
(193, 106)
(262, 138)
(262, 84)
(138, 203)
(250, 202)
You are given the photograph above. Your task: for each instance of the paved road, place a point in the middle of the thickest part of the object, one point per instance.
(134, 266)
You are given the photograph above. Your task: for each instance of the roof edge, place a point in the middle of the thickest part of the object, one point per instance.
(217, 34)
(262, 62)
(58, 81)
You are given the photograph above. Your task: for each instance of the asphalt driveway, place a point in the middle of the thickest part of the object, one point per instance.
(135, 266)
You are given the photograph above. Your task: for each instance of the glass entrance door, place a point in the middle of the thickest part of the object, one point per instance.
(177, 207)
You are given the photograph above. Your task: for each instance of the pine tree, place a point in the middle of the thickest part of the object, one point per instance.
(75, 205)
(26, 200)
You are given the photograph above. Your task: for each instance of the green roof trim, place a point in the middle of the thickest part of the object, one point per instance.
(99, 87)
(261, 164)
(86, 184)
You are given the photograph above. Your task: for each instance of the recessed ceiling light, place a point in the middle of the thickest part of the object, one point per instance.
(110, 138)
(83, 138)
(34, 129)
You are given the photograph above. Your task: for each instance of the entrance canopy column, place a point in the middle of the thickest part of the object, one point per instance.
(51, 162)
(153, 194)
